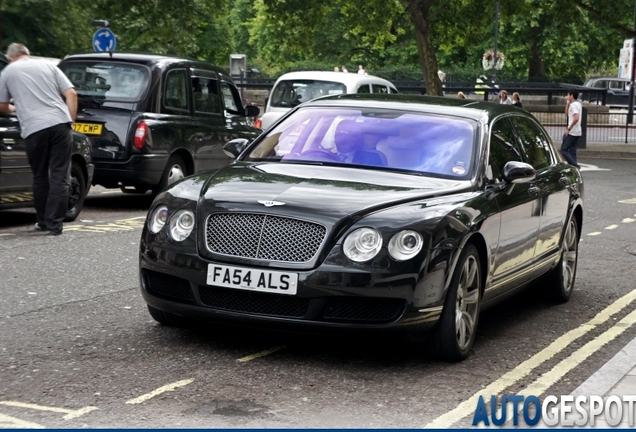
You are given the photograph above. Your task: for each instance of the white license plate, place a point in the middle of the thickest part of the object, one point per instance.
(252, 279)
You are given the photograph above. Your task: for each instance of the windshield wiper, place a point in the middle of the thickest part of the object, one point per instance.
(86, 101)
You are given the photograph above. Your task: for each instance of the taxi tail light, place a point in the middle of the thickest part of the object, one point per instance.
(258, 123)
(141, 134)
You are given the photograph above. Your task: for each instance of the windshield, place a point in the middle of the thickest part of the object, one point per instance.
(385, 139)
(122, 82)
(290, 93)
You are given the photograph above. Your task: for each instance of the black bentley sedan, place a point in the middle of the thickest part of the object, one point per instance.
(16, 179)
(369, 212)
(155, 119)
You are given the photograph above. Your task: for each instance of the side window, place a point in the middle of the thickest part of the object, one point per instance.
(617, 85)
(600, 84)
(231, 98)
(534, 143)
(205, 93)
(364, 89)
(175, 95)
(503, 149)
(378, 88)
(392, 90)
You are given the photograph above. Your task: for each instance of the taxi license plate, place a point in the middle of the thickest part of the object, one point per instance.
(88, 128)
(252, 279)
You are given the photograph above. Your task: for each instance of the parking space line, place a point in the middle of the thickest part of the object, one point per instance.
(260, 354)
(628, 220)
(6, 235)
(8, 422)
(611, 227)
(595, 233)
(70, 414)
(160, 390)
(467, 407)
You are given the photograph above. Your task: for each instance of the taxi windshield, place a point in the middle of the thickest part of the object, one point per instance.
(122, 82)
(290, 93)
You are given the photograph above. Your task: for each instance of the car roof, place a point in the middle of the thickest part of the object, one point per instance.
(593, 79)
(468, 108)
(142, 58)
(346, 78)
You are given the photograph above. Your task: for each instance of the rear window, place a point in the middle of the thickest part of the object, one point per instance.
(109, 81)
(290, 93)
(383, 139)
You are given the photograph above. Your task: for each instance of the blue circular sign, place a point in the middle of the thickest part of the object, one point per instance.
(104, 40)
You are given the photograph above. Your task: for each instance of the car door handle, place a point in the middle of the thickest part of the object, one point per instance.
(534, 190)
(564, 180)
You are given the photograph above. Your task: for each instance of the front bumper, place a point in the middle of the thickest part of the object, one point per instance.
(328, 298)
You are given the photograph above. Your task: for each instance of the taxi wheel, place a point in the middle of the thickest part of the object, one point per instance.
(561, 279)
(454, 335)
(168, 319)
(175, 170)
(76, 193)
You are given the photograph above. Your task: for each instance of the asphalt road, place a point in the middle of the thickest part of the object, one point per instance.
(78, 348)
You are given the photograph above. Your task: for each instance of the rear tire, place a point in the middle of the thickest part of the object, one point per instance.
(560, 281)
(169, 319)
(454, 334)
(175, 170)
(76, 193)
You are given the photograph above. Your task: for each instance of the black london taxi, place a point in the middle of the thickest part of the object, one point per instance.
(154, 119)
(16, 178)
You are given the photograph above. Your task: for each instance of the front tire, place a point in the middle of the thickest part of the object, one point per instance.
(561, 279)
(454, 335)
(175, 170)
(76, 193)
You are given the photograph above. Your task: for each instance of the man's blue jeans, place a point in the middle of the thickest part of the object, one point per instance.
(568, 149)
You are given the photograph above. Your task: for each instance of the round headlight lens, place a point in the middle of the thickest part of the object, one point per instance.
(405, 245)
(158, 219)
(362, 244)
(181, 225)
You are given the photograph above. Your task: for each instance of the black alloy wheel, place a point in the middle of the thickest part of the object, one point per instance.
(76, 193)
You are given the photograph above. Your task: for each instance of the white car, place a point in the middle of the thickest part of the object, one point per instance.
(294, 88)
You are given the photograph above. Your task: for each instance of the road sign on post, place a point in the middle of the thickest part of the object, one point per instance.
(104, 40)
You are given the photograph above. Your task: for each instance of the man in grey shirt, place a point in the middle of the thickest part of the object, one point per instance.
(46, 120)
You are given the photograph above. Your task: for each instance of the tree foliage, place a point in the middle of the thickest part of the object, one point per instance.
(541, 39)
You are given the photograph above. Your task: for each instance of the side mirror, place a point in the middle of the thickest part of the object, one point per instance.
(518, 172)
(252, 111)
(235, 147)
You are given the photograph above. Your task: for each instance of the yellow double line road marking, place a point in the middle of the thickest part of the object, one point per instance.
(467, 407)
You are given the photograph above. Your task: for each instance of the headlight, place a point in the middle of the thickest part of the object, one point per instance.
(405, 245)
(158, 219)
(181, 225)
(362, 244)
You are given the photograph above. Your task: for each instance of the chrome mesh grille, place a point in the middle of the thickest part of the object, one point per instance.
(265, 237)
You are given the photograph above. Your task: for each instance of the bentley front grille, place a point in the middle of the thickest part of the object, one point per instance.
(264, 237)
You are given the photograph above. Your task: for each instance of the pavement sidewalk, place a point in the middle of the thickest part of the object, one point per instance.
(603, 150)
(618, 376)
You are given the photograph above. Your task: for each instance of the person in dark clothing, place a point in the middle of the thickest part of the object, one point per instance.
(46, 120)
(516, 100)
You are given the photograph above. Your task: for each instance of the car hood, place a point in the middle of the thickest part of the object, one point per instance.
(315, 192)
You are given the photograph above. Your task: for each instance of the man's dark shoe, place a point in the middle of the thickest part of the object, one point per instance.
(55, 232)
(39, 227)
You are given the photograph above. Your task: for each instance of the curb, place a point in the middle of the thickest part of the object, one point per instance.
(599, 154)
